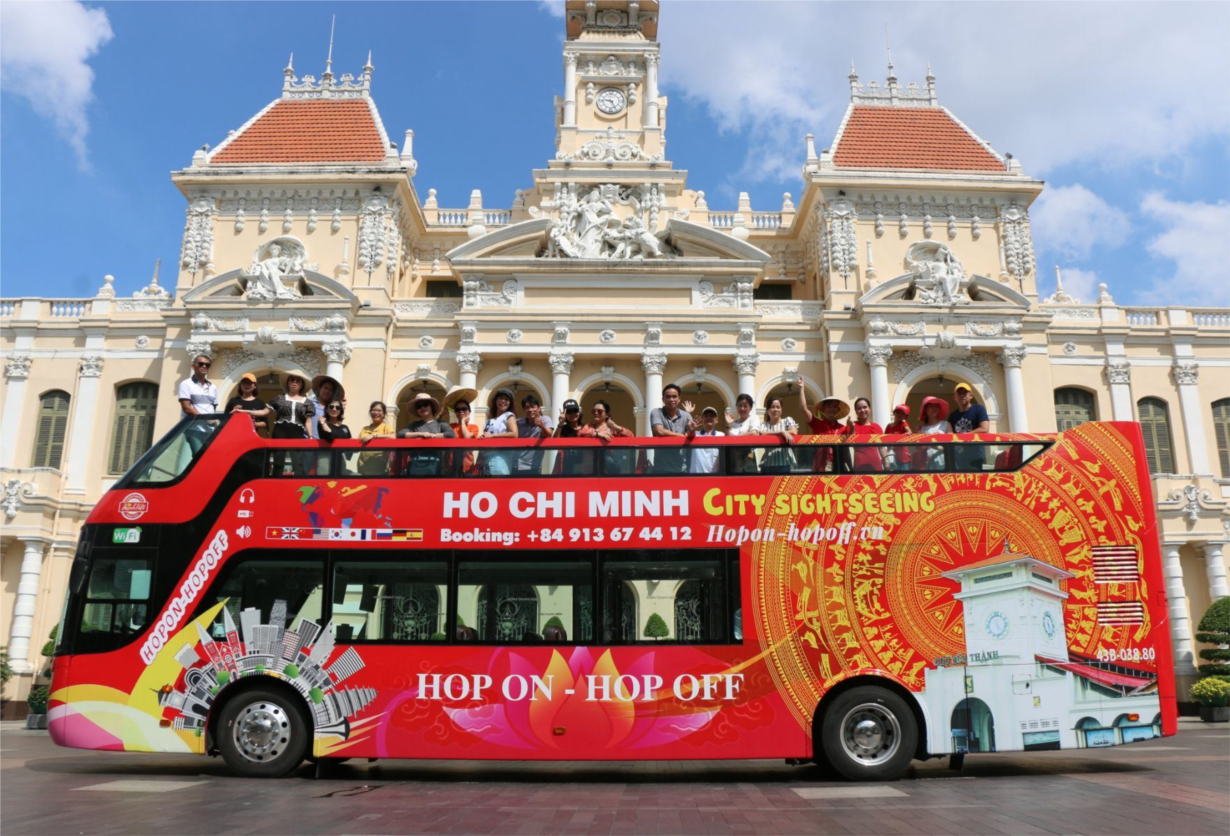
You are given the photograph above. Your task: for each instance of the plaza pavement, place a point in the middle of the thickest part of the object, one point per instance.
(1178, 785)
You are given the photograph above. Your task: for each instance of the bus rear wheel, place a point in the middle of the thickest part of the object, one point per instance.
(869, 734)
(262, 734)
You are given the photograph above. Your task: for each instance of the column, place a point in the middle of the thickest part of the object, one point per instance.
(561, 367)
(17, 370)
(877, 357)
(84, 407)
(1185, 373)
(1176, 596)
(570, 91)
(651, 90)
(745, 368)
(468, 364)
(337, 353)
(1119, 376)
(23, 608)
(1011, 357)
(654, 364)
(1215, 566)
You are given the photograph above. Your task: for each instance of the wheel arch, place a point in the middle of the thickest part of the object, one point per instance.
(253, 683)
(881, 679)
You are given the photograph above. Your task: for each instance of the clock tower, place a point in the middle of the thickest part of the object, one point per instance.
(611, 110)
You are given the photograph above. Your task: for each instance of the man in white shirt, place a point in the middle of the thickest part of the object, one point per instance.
(197, 396)
(705, 459)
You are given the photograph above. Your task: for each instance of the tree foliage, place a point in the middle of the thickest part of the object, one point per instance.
(1215, 630)
(655, 627)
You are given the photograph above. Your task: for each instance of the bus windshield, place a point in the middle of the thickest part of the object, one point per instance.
(175, 453)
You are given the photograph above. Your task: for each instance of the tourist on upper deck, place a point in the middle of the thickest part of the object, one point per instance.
(934, 422)
(603, 426)
(705, 459)
(332, 428)
(970, 416)
(533, 424)
(459, 399)
(866, 458)
(326, 390)
(569, 425)
(899, 457)
(826, 420)
(779, 459)
(426, 423)
(375, 463)
(246, 403)
(197, 396)
(743, 424)
(669, 421)
(502, 424)
(293, 409)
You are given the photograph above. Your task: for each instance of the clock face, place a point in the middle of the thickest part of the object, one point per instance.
(610, 100)
(997, 625)
(1048, 624)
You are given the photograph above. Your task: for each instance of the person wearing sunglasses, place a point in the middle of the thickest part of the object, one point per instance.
(247, 403)
(331, 427)
(197, 396)
(603, 427)
(459, 399)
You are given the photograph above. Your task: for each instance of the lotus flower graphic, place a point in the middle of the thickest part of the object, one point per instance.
(570, 713)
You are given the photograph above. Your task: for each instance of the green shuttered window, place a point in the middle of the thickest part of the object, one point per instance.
(134, 424)
(1221, 431)
(1073, 407)
(1155, 424)
(52, 424)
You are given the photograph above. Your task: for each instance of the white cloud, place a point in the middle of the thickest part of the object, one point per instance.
(1194, 238)
(44, 50)
(1071, 221)
(1080, 283)
(1051, 83)
(555, 8)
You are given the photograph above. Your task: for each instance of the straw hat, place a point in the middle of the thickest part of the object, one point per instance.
(842, 411)
(339, 394)
(943, 405)
(459, 393)
(423, 397)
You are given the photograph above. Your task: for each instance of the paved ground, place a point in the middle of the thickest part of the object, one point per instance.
(1179, 785)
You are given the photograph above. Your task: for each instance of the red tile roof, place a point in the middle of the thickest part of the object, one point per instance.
(308, 132)
(910, 137)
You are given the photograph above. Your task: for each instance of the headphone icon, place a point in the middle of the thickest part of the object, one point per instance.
(247, 497)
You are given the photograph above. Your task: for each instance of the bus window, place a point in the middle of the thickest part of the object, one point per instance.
(390, 600)
(297, 463)
(117, 597)
(525, 601)
(651, 596)
(261, 581)
(928, 458)
(779, 459)
(175, 452)
(369, 463)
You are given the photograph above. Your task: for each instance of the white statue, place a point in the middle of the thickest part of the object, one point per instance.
(939, 278)
(272, 265)
(590, 228)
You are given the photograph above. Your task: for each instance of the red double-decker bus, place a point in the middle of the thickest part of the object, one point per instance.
(861, 604)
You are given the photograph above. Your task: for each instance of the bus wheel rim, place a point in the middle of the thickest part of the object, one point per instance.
(262, 732)
(870, 734)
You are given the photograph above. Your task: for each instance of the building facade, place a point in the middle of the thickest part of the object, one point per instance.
(903, 266)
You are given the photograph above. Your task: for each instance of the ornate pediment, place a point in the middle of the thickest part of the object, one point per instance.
(301, 284)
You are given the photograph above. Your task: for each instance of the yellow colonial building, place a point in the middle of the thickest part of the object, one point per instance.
(902, 266)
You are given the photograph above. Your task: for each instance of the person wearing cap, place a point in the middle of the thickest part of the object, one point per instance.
(327, 390)
(705, 459)
(246, 403)
(459, 400)
(533, 424)
(899, 457)
(501, 424)
(826, 420)
(569, 425)
(969, 417)
(934, 421)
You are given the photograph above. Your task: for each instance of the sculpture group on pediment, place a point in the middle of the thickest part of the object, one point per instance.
(939, 278)
(590, 228)
(276, 270)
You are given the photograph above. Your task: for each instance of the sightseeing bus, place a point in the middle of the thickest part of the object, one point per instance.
(861, 604)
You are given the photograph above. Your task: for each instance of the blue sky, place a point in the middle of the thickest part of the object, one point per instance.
(1120, 108)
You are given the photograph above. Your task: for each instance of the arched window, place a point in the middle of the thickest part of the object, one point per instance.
(1221, 430)
(52, 424)
(133, 433)
(1073, 407)
(1155, 424)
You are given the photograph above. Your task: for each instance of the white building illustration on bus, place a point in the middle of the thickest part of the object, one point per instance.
(1017, 686)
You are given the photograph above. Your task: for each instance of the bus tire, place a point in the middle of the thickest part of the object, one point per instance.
(868, 733)
(262, 734)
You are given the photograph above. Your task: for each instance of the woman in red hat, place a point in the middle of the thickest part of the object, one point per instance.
(899, 457)
(934, 422)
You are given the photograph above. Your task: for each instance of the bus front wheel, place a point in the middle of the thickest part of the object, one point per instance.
(869, 734)
(262, 734)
